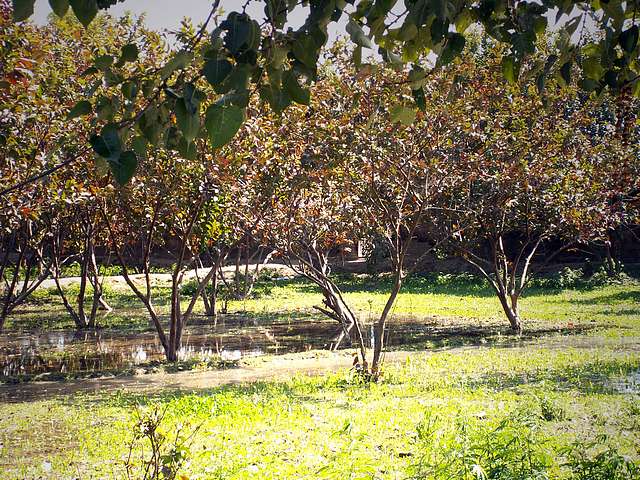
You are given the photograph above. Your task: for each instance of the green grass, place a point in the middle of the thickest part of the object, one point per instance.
(448, 297)
(435, 416)
(552, 405)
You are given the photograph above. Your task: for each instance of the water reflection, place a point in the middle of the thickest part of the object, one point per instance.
(90, 351)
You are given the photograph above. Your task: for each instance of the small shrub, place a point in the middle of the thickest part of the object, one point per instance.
(512, 449)
(596, 461)
(550, 410)
(581, 278)
(157, 452)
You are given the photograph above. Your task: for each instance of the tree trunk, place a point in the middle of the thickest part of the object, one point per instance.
(510, 306)
(379, 326)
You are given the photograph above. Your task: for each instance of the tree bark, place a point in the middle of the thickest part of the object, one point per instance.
(510, 306)
(379, 326)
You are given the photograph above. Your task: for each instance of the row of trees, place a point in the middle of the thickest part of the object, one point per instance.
(489, 171)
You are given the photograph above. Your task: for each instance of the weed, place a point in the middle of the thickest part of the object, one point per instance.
(155, 451)
(596, 460)
(471, 449)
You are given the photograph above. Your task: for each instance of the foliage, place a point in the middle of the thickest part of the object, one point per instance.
(241, 55)
(470, 449)
(156, 453)
(595, 460)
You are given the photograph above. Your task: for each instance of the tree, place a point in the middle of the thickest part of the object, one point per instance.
(241, 54)
(40, 81)
(164, 203)
(540, 179)
(399, 168)
(292, 196)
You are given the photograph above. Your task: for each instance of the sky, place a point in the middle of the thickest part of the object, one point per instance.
(167, 14)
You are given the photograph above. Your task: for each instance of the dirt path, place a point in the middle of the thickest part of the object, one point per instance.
(262, 369)
(165, 278)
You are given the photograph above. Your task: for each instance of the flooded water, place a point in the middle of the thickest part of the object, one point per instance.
(235, 336)
(231, 338)
(628, 385)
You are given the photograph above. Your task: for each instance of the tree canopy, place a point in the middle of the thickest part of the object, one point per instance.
(207, 82)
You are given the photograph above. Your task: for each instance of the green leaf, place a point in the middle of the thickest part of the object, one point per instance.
(59, 7)
(22, 9)
(216, 70)
(242, 32)
(150, 125)
(296, 92)
(565, 72)
(89, 71)
(463, 20)
(179, 61)
(417, 77)
(105, 108)
(237, 80)
(276, 11)
(540, 82)
(636, 89)
(222, 123)
(419, 98)
(356, 58)
(139, 145)
(129, 53)
(187, 149)
(402, 113)
(124, 167)
(188, 121)
(129, 90)
(357, 35)
(629, 39)
(510, 69)
(83, 107)
(103, 62)
(84, 10)
(408, 31)
(453, 48)
(611, 79)
(108, 144)
(304, 49)
(277, 98)
(241, 99)
(588, 84)
(592, 68)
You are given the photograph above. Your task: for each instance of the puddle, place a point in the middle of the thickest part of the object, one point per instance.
(627, 385)
(232, 338)
(235, 336)
(91, 351)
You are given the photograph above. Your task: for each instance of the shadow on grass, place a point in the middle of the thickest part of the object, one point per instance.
(463, 285)
(597, 377)
(381, 284)
(436, 337)
(625, 296)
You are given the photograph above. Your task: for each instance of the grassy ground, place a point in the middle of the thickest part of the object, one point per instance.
(461, 297)
(554, 406)
(515, 413)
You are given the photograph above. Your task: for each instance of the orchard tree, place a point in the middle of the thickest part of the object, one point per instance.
(375, 169)
(399, 168)
(77, 235)
(49, 225)
(240, 54)
(163, 204)
(40, 81)
(539, 177)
